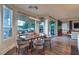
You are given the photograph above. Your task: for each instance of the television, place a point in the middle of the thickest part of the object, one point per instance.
(76, 25)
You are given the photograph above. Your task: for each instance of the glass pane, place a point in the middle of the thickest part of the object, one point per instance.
(25, 25)
(7, 22)
(41, 27)
(52, 28)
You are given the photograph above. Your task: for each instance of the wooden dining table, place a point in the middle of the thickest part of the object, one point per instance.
(31, 38)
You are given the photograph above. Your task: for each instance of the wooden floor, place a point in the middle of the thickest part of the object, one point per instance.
(74, 49)
(60, 46)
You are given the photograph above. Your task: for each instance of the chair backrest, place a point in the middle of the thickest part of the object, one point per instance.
(22, 44)
(38, 44)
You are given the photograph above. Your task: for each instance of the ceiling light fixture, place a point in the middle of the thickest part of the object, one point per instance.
(33, 7)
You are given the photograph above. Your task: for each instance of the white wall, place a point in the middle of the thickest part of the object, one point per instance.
(0, 28)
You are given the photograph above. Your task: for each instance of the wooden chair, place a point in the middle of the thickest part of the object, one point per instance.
(22, 46)
(47, 44)
(38, 45)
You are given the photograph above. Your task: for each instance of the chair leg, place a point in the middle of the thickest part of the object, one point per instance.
(50, 45)
(17, 50)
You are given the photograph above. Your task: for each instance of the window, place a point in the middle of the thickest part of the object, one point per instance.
(20, 23)
(24, 24)
(7, 22)
(41, 27)
(52, 27)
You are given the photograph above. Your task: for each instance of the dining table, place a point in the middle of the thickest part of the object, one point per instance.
(32, 38)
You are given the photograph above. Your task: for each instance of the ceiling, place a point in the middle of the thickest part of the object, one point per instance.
(58, 11)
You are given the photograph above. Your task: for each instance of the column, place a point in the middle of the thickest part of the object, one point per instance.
(14, 26)
(37, 27)
(46, 27)
(56, 28)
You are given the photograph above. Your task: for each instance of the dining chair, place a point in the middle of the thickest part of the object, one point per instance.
(47, 44)
(22, 46)
(38, 45)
